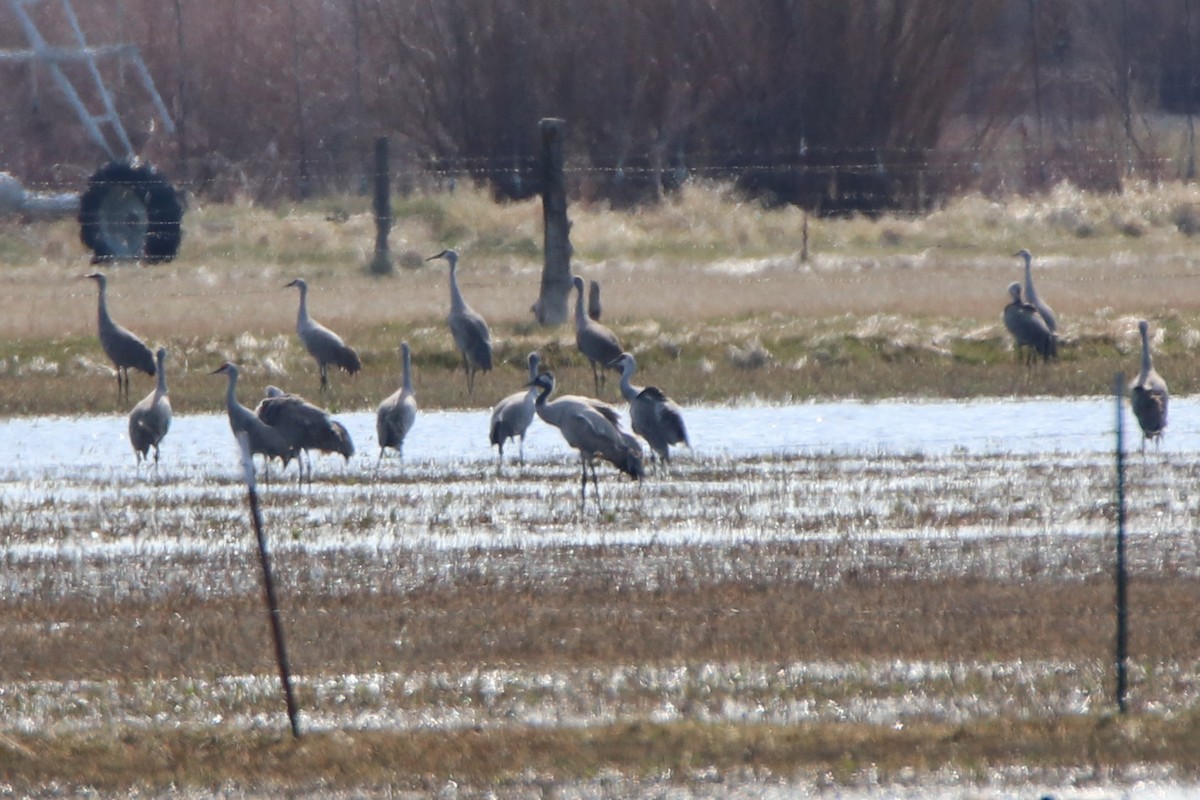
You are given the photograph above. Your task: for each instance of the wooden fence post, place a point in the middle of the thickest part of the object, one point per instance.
(551, 305)
(381, 264)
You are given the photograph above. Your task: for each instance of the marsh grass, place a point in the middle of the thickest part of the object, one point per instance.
(901, 306)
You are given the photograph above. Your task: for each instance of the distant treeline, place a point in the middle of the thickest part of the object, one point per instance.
(838, 105)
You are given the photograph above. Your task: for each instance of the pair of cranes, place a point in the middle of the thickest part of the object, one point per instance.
(1033, 325)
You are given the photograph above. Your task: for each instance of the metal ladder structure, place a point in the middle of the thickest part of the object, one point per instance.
(53, 58)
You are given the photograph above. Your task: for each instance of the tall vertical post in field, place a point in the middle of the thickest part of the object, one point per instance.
(381, 264)
(264, 557)
(1122, 647)
(551, 305)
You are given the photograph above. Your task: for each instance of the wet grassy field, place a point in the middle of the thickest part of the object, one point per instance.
(791, 622)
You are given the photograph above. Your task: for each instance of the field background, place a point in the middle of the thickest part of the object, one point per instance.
(711, 292)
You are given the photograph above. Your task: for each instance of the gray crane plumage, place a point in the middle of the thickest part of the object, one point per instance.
(652, 415)
(1031, 295)
(396, 415)
(470, 331)
(589, 432)
(264, 440)
(594, 308)
(325, 346)
(1027, 327)
(512, 416)
(151, 417)
(304, 426)
(121, 345)
(597, 343)
(1148, 395)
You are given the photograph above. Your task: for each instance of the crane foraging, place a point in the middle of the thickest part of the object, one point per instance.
(590, 432)
(395, 416)
(1031, 295)
(652, 415)
(263, 439)
(1148, 394)
(122, 347)
(597, 343)
(512, 416)
(151, 417)
(1027, 327)
(304, 427)
(325, 346)
(470, 331)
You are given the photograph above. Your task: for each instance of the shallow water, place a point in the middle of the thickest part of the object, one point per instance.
(42, 446)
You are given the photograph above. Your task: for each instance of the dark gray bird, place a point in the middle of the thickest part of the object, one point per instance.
(1027, 327)
(596, 342)
(512, 415)
(652, 415)
(589, 432)
(1031, 295)
(121, 346)
(304, 426)
(470, 332)
(151, 417)
(396, 415)
(264, 439)
(593, 305)
(1148, 394)
(321, 343)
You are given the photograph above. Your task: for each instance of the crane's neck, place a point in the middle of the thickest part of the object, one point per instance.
(160, 390)
(628, 390)
(1147, 365)
(103, 305)
(302, 313)
(533, 369)
(456, 299)
(407, 369)
(231, 392)
(1030, 294)
(581, 316)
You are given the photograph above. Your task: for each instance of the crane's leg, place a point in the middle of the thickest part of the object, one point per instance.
(522, 450)
(324, 378)
(596, 377)
(595, 485)
(582, 483)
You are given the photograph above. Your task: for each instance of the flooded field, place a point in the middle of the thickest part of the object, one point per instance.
(884, 565)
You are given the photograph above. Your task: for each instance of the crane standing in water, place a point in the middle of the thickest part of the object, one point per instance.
(151, 418)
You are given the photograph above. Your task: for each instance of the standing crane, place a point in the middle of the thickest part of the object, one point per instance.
(1148, 394)
(321, 343)
(597, 343)
(1031, 295)
(652, 415)
(151, 417)
(263, 439)
(471, 334)
(512, 416)
(121, 346)
(304, 426)
(395, 416)
(590, 433)
(1027, 327)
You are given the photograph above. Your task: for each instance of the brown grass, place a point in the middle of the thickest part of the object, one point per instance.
(899, 307)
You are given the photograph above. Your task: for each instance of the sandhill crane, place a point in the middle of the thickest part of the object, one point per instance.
(1027, 327)
(470, 331)
(588, 431)
(304, 426)
(1031, 295)
(396, 415)
(593, 305)
(652, 415)
(596, 342)
(151, 417)
(1148, 394)
(263, 439)
(121, 346)
(321, 343)
(512, 415)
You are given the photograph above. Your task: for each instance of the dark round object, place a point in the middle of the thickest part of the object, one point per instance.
(130, 212)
